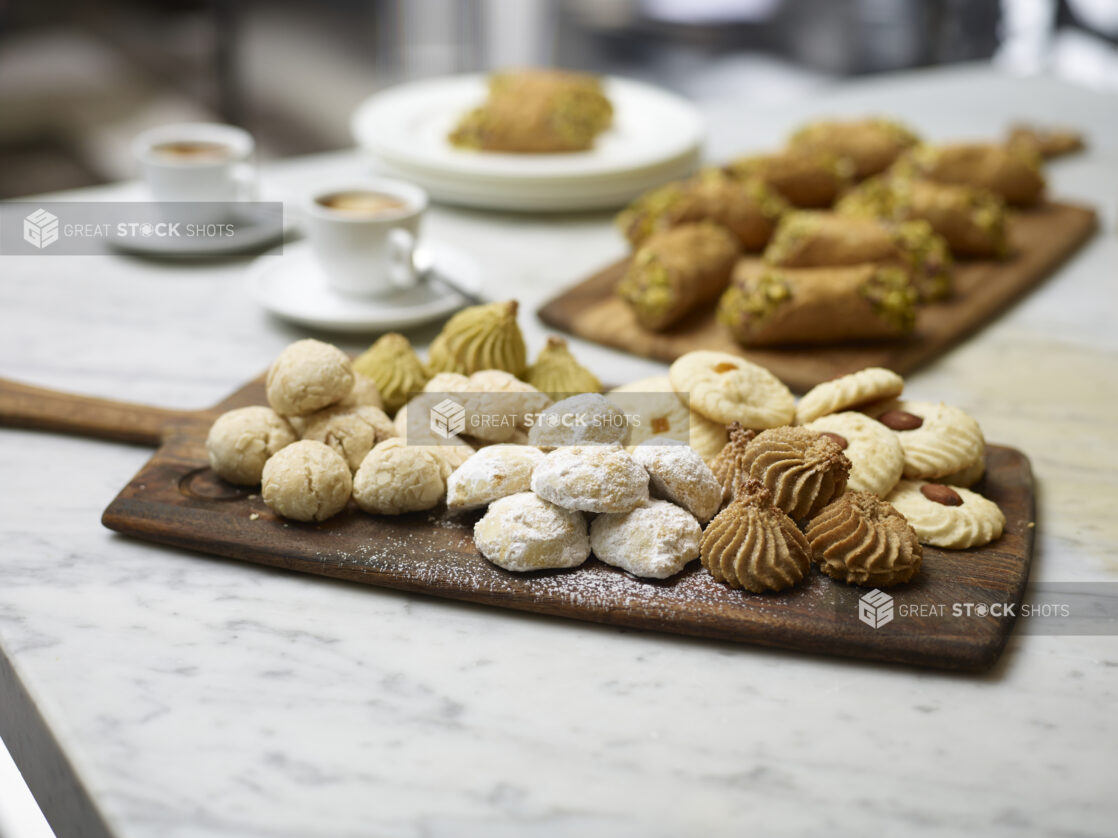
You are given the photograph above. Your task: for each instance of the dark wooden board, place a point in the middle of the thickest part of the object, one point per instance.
(176, 499)
(1041, 239)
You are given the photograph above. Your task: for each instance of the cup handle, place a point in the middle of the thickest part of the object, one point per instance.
(244, 181)
(401, 248)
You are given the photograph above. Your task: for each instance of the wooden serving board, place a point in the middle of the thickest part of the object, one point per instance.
(176, 499)
(1041, 239)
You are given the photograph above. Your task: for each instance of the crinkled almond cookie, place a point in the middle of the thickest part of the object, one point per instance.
(591, 478)
(937, 439)
(656, 540)
(945, 516)
(307, 376)
(862, 540)
(752, 544)
(306, 481)
(726, 388)
(872, 384)
(351, 431)
(524, 532)
(396, 478)
(242, 440)
(492, 473)
(875, 453)
(678, 474)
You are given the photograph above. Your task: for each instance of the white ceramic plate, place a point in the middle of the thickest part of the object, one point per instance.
(290, 284)
(656, 136)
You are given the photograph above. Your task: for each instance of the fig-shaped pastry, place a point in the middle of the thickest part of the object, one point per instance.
(484, 337)
(753, 545)
(393, 365)
(728, 465)
(557, 371)
(804, 470)
(862, 540)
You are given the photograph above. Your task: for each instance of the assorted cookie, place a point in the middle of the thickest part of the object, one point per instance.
(727, 388)
(242, 440)
(874, 451)
(655, 540)
(937, 439)
(306, 481)
(523, 532)
(591, 478)
(948, 516)
(848, 392)
(862, 540)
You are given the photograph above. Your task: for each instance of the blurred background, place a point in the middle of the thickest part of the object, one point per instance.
(78, 79)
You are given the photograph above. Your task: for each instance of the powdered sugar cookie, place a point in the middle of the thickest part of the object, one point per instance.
(591, 478)
(873, 384)
(656, 540)
(657, 410)
(678, 474)
(937, 439)
(396, 478)
(587, 418)
(946, 516)
(524, 532)
(726, 388)
(491, 473)
(875, 453)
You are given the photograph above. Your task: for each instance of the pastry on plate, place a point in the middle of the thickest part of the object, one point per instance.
(872, 145)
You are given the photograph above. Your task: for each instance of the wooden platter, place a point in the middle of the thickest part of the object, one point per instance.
(1041, 239)
(176, 499)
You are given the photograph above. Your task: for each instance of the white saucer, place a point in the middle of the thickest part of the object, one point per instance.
(290, 284)
(258, 226)
(656, 136)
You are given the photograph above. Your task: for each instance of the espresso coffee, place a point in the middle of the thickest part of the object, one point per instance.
(363, 203)
(193, 151)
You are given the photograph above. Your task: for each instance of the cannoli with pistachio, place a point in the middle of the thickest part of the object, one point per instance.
(678, 270)
(872, 145)
(1047, 142)
(536, 112)
(767, 306)
(805, 177)
(971, 220)
(823, 239)
(747, 208)
(1013, 172)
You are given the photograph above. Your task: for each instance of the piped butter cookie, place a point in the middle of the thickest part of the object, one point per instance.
(875, 453)
(862, 540)
(727, 388)
(937, 439)
(873, 384)
(946, 516)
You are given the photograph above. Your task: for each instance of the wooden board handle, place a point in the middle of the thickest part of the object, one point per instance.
(24, 406)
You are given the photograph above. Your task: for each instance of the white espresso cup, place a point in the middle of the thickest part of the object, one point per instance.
(364, 234)
(197, 162)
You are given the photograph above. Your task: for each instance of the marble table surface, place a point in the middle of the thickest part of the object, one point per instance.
(152, 692)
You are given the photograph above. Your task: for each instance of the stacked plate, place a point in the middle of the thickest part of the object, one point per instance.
(655, 137)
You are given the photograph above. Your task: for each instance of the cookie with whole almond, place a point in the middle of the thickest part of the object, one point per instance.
(937, 439)
(948, 516)
(873, 384)
(875, 453)
(862, 540)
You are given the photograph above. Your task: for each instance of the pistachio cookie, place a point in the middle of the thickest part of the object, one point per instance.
(524, 532)
(862, 540)
(873, 384)
(728, 388)
(754, 545)
(656, 540)
(875, 453)
(591, 478)
(937, 439)
(945, 516)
